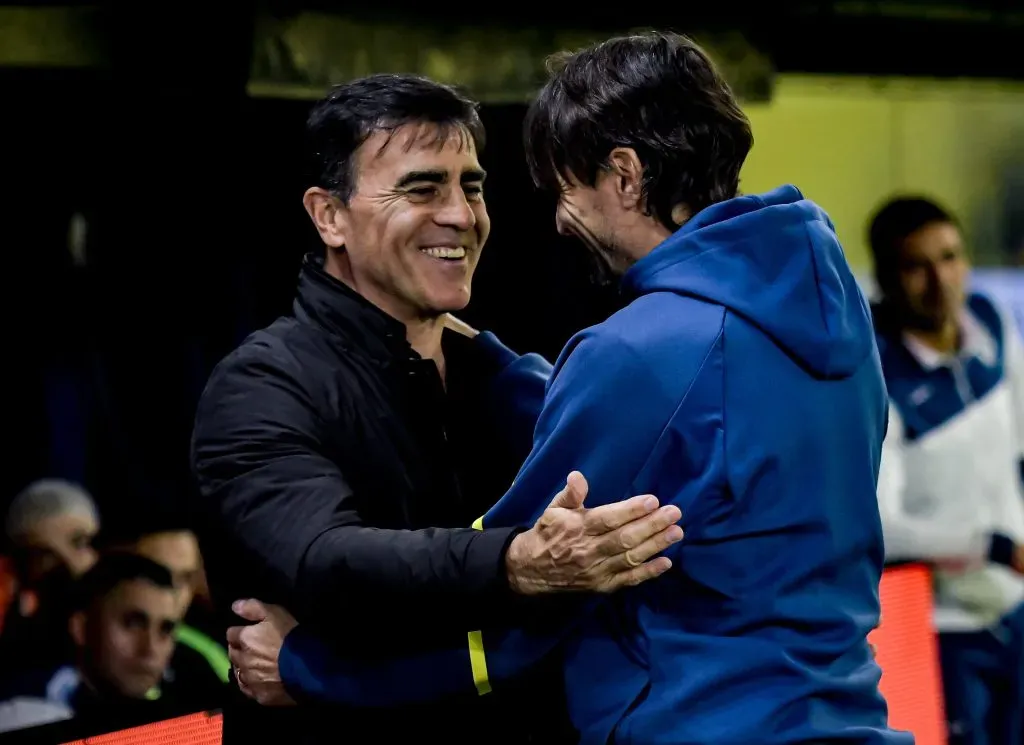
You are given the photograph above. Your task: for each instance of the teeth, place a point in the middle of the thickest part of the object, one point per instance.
(445, 252)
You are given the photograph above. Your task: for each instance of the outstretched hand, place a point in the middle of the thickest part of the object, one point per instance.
(572, 548)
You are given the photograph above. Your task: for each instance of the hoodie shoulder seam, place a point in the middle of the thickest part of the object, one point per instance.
(715, 342)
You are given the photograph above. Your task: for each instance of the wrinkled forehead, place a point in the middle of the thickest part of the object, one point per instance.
(417, 146)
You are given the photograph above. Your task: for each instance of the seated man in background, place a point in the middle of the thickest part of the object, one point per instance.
(950, 489)
(198, 672)
(49, 530)
(124, 613)
(53, 522)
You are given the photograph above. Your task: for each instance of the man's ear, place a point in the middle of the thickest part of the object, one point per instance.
(328, 215)
(76, 628)
(628, 172)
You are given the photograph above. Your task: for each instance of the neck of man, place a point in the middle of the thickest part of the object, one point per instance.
(423, 334)
(945, 340)
(647, 233)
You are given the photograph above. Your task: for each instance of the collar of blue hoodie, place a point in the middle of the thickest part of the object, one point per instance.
(773, 259)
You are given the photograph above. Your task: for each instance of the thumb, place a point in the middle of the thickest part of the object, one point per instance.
(250, 610)
(575, 491)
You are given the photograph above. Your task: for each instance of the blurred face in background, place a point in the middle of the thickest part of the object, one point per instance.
(64, 539)
(178, 551)
(126, 638)
(933, 276)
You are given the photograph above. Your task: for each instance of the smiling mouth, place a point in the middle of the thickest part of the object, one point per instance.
(445, 253)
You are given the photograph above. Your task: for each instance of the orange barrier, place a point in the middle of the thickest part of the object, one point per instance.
(905, 644)
(908, 654)
(195, 729)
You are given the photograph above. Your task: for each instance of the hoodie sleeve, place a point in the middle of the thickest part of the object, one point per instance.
(603, 413)
(516, 393)
(909, 537)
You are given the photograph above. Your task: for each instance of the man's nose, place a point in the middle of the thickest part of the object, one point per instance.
(561, 224)
(148, 642)
(457, 212)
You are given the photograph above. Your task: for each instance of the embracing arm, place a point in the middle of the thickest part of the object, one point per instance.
(259, 457)
(602, 425)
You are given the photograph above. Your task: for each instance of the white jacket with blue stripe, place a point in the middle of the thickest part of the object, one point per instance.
(951, 485)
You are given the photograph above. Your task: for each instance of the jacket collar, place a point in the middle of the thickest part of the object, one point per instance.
(335, 307)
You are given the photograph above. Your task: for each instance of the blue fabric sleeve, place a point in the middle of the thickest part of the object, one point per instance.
(516, 394)
(313, 670)
(602, 415)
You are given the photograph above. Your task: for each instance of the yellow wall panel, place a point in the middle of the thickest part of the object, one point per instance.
(850, 142)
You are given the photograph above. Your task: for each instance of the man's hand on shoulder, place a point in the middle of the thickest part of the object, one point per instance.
(604, 549)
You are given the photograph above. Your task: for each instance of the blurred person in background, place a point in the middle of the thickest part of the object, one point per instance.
(198, 672)
(338, 451)
(951, 490)
(49, 530)
(53, 523)
(758, 632)
(124, 613)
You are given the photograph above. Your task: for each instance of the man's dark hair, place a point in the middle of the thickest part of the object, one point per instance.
(657, 93)
(892, 224)
(353, 111)
(114, 568)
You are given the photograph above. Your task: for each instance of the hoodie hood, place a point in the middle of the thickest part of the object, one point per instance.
(775, 260)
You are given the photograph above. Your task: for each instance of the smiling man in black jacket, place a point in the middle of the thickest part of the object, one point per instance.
(338, 450)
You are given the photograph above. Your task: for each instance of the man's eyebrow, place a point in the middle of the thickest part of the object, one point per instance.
(419, 177)
(440, 177)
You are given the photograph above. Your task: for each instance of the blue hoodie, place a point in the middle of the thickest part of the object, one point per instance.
(741, 383)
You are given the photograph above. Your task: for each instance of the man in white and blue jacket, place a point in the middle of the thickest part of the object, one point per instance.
(741, 383)
(950, 489)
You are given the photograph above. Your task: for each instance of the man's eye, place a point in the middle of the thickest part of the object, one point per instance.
(422, 191)
(474, 190)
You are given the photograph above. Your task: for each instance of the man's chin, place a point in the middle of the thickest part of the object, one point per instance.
(439, 307)
(930, 323)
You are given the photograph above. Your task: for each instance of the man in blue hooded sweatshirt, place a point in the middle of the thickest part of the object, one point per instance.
(740, 383)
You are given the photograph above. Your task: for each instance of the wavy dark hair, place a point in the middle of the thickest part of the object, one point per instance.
(352, 111)
(657, 93)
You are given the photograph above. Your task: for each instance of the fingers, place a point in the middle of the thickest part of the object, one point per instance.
(633, 558)
(638, 575)
(235, 636)
(575, 491)
(250, 610)
(634, 534)
(235, 656)
(611, 517)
